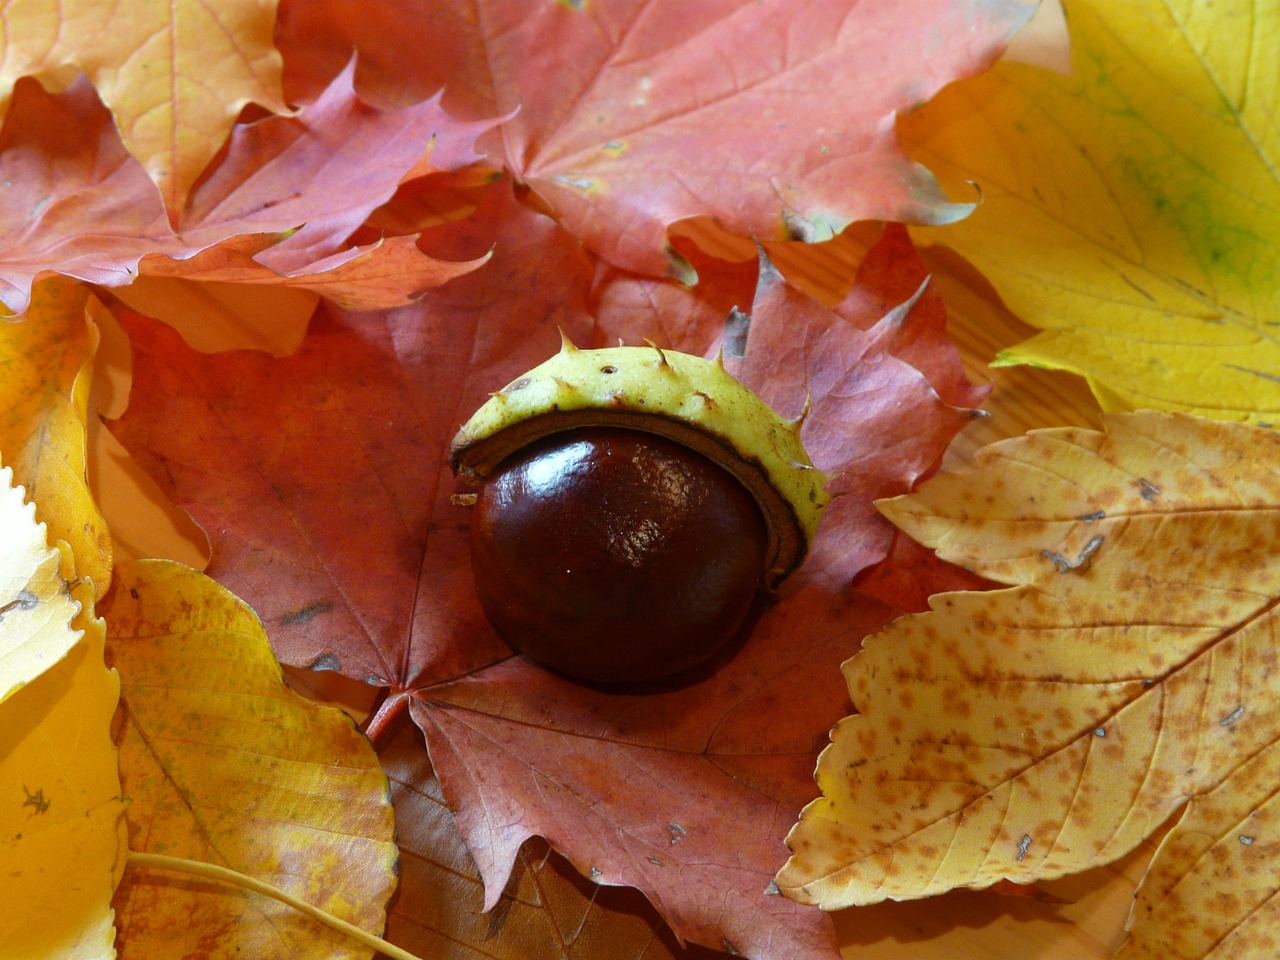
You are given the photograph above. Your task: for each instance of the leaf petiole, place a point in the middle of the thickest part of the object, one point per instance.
(381, 720)
(210, 871)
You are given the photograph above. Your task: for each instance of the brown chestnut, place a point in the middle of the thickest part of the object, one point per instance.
(631, 502)
(615, 555)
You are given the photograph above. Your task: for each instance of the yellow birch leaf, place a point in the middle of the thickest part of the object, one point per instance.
(60, 806)
(175, 75)
(36, 608)
(223, 763)
(1131, 210)
(46, 367)
(1049, 727)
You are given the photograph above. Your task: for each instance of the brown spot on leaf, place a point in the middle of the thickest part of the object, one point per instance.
(306, 614)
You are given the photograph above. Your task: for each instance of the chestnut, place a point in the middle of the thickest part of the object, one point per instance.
(615, 555)
(631, 503)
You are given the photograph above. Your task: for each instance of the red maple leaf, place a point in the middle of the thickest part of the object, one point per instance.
(323, 480)
(776, 118)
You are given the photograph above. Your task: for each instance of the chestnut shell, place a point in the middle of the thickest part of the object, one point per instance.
(614, 555)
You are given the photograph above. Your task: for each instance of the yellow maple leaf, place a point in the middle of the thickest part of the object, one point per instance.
(60, 805)
(1131, 211)
(174, 75)
(1045, 728)
(224, 764)
(46, 366)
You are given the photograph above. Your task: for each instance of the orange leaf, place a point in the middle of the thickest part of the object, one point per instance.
(174, 75)
(378, 276)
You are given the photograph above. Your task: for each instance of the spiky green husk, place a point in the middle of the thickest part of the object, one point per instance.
(677, 395)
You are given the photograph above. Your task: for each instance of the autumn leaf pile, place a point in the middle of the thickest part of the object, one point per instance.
(283, 252)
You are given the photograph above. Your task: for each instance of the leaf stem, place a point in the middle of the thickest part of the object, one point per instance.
(387, 711)
(210, 871)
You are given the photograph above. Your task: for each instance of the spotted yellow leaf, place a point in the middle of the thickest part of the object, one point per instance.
(1212, 889)
(60, 803)
(1029, 732)
(46, 365)
(1131, 210)
(224, 764)
(175, 75)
